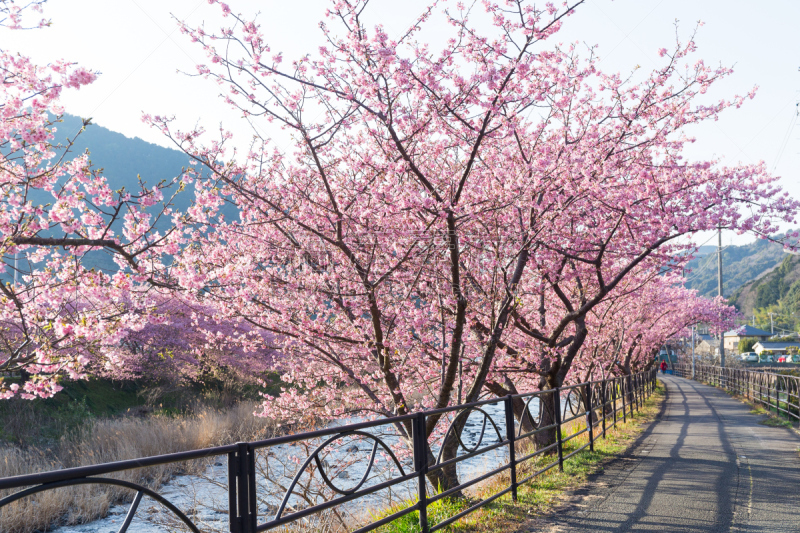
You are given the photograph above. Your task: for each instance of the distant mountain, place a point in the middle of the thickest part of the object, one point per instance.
(740, 265)
(121, 160)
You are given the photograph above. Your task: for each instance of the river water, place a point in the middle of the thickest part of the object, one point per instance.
(204, 498)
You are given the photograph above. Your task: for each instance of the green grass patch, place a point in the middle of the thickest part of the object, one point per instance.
(539, 495)
(776, 423)
(437, 511)
(42, 421)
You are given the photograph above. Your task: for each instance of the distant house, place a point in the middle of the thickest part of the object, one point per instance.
(707, 347)
(733, 337)
(777, 348)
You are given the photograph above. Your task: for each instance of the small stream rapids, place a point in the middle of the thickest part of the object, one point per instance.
(204, 498)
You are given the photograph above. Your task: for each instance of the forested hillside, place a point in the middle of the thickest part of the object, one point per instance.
(741, 265)
(123, 161)
(776, 293)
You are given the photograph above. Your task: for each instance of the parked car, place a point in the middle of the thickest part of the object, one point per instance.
(763, 358)
(795, 358)
(749, 357)
(784, 359)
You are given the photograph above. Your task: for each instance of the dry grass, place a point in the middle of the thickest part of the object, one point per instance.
(116, 440)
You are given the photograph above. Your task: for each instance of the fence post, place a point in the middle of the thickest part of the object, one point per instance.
(589, 412)
(624, 396)
(638, 392)
(510, 436)
(251, 486)
(614, 401)
(640, 388)
(233, 515)
(604, 397)
(242, 489)
(559, 446)
(747, 391)
(420, 443)
(769, 395)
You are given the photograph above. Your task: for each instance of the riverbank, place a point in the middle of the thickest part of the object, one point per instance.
(97, 421)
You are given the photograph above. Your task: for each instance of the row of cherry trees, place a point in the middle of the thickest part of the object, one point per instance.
(496, 215)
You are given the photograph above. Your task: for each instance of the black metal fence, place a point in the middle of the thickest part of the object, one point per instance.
(565, 413)
(778, 393)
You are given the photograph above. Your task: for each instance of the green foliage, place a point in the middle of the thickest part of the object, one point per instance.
(784, 339)
(779, 316)
(774, 298)
(776, 285)
(746, 344)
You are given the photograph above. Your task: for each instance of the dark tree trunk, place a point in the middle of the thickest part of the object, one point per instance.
(547, 413)
(591, 407)
(447, 477)
(554, 378)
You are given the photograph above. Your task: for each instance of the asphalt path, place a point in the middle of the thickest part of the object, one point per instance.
(706, 464)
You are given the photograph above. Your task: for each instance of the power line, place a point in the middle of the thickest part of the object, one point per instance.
(786, 137)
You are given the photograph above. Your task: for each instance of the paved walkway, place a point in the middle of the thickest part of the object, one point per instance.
(705, 465)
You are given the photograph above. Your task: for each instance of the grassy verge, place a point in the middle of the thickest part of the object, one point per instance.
(773, 416)
(540, 494)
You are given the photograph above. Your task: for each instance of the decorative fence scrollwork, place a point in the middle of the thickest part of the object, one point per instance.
(321, 467)
(134, 506)
(559, 415)
(461, 418)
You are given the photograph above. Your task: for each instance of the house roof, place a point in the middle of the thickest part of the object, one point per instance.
(747, 331)
(776, 345)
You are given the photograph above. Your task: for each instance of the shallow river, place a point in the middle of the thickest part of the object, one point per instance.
(205, 497)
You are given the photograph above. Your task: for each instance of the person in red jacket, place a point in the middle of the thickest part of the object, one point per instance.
(663, 367)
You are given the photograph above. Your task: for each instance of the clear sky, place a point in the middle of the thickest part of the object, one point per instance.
(136, 47)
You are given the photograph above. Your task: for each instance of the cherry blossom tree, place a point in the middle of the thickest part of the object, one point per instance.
(182, 343)
(632, 329)
(472, 204)
(57, 314)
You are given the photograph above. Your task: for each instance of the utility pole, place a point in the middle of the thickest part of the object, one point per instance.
(719, 276)
(771, 325)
